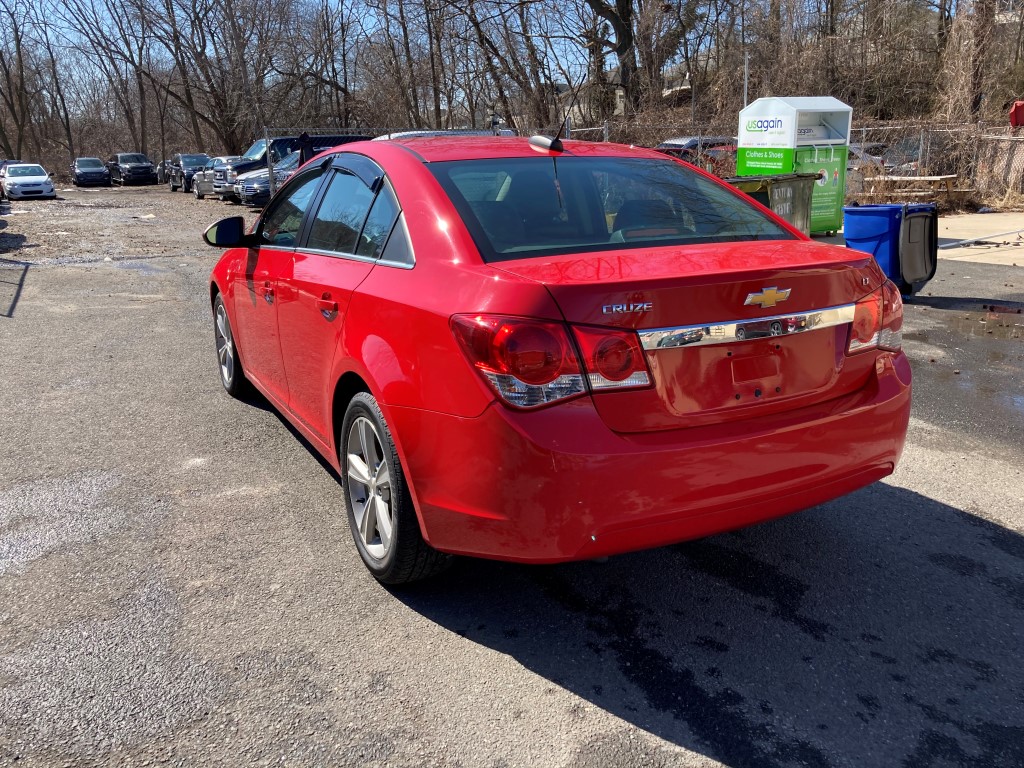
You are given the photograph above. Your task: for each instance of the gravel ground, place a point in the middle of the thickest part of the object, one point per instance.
(117, 223)
(178, 586)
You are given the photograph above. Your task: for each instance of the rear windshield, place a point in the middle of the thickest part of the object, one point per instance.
(89, 162)
(522, 207)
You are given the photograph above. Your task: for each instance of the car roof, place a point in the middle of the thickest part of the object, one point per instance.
(444, 148)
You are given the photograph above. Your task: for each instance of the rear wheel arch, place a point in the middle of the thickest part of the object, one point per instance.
(348, 386)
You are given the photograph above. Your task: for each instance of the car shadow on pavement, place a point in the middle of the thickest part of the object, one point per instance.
(12, 282)
(256, 399)
(881, 629)
(966, 304)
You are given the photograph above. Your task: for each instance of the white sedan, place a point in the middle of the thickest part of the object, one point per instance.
(26, 180)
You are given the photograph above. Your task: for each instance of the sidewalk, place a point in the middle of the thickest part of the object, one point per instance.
(1005, 249)
(996, 248)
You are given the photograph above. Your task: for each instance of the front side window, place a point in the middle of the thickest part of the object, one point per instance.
(340, 218)
(281, 224)
(525, 207)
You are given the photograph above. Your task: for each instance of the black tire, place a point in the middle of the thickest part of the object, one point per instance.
(185, 186)
(196, 192)
(406, 557)
(170, 183)
(232, 376)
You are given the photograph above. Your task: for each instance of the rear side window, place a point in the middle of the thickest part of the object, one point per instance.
(379, 223)
(523, 207)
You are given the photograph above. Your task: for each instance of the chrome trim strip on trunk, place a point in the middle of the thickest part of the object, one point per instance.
(742, 330)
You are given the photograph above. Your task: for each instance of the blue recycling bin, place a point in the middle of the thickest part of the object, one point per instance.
(902, 238)
(875, 229)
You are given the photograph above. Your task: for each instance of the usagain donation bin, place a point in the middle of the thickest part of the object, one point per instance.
(802, 134)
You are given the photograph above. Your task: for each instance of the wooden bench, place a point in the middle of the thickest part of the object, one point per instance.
(944, 183)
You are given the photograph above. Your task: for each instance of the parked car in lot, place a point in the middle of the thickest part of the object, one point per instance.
(253, 188)
(26, 180)
(5, 163)
(688, 147)
(89, 170)
(472, 331)
(255, 158)
(181, 168)
(202, 179)
(131, 168)
(866, 158)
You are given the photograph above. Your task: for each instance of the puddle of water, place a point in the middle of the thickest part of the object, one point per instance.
(1016, 402)
(996, 326)
(142, 267)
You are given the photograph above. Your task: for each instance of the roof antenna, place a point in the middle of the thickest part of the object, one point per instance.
(555, 144)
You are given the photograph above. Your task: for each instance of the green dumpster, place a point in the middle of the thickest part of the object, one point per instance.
(800, 135)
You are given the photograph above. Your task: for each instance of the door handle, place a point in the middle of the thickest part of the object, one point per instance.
(328, 307)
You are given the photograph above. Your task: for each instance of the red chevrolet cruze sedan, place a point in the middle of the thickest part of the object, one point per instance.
(541, 352)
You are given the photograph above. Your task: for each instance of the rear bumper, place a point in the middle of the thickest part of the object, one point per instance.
(557, 484)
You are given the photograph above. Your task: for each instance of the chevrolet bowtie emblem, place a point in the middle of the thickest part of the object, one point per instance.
(768, 297)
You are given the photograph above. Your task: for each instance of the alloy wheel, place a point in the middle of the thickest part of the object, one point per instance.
(369, 488)
(225, 346)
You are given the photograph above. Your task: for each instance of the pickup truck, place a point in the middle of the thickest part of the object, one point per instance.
(255, 158)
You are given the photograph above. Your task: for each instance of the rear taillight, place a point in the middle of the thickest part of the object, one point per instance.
(891, 336)
(534, 362)
(612, 358)
(867, 323)
(528, 362)
(878, 321)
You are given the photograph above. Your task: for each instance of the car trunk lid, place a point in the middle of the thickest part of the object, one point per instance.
(729, 330)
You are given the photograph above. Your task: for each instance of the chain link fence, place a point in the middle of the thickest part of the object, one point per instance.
(986, 161)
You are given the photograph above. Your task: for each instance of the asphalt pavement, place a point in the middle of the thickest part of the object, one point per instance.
(178, 585)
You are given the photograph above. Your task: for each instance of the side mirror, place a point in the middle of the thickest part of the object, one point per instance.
(227, 233)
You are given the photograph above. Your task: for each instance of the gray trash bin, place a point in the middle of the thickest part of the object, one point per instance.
(919, 246)
(788, 194)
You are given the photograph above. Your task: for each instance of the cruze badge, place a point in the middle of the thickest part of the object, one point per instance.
(621, 309)
(768, 297)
